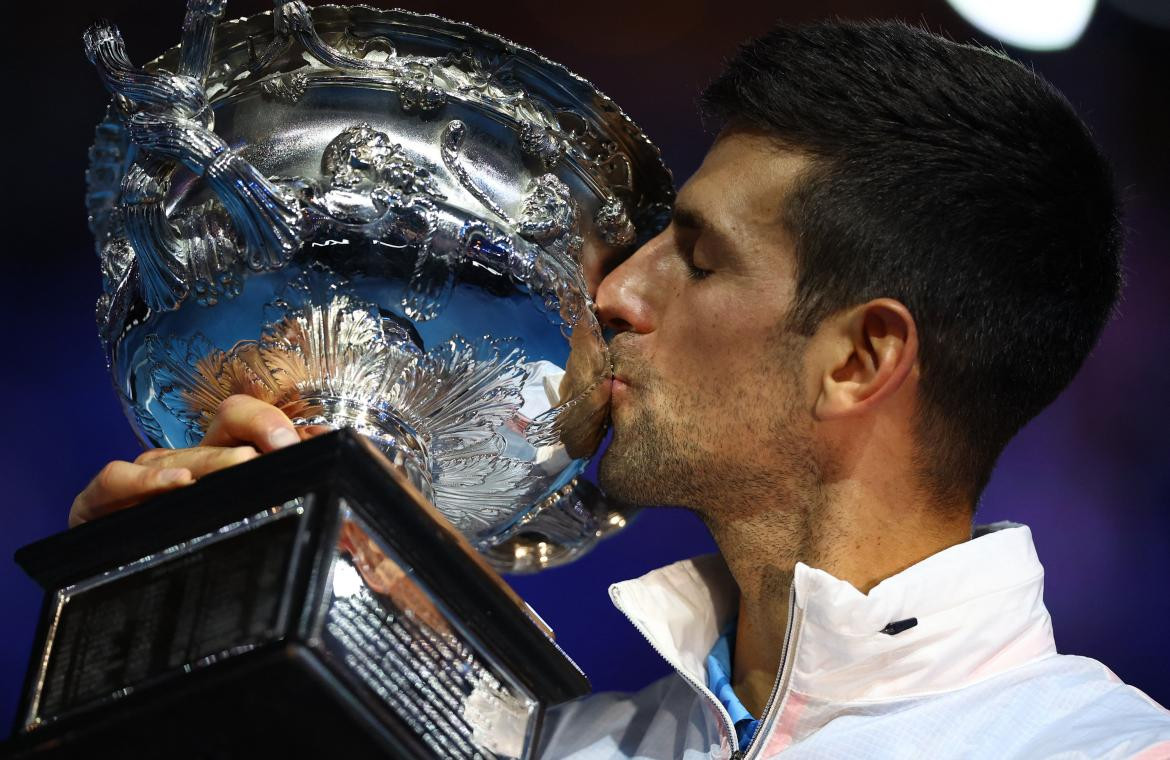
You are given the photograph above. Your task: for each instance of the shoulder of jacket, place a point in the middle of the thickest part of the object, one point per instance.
(1091, 710)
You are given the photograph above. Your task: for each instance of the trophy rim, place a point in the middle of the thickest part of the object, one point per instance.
(657, 179)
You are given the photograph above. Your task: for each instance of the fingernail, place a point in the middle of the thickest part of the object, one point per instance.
(282, 437)
(172, 475)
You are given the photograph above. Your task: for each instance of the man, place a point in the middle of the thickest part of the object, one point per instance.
(897, 252)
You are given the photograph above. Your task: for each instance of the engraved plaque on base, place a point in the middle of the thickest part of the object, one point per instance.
(308, 602)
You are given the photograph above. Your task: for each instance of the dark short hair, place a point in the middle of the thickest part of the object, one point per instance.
(957, 181)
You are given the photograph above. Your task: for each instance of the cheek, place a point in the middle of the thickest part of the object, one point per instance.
(715, 336)
(717, 370)
(728, 365)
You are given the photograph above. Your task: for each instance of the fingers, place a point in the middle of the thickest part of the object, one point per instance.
(244, 419)
(121, 484)
(243, 428)
(312, 431)
(200, 460)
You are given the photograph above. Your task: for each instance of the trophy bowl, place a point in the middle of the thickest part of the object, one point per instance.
(378, 220)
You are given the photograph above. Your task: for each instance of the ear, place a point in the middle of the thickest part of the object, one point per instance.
(871, 350)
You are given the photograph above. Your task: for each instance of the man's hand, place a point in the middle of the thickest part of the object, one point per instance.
(243, 428)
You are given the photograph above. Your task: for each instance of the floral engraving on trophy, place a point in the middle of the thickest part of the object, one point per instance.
(418, 90)
(327, 357)
(215, 268)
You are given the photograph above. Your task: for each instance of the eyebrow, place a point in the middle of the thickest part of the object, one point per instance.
(693, 221)
(689, 219)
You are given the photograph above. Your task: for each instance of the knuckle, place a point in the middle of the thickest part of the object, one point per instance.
(260, 420)
(233, 403)
(240, 454)
(109, 475)
(151, 455)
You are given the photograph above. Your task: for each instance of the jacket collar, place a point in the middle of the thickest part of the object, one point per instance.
(978, 606)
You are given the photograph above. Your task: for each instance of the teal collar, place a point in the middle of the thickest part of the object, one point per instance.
(719, 681)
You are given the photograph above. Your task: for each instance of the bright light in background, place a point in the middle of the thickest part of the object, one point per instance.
(1031, 24)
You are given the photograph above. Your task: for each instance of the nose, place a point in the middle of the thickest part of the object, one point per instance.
(624, 297)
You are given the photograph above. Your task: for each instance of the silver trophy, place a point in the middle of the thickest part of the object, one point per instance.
(374, 220)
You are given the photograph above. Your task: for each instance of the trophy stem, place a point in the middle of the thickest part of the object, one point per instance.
(398, 440)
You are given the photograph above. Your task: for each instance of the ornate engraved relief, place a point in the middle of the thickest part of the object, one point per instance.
(599, 153)
(549, 211)
(543, 144)
(161, 262)
(286, 88)
(362, 156)
(549, 216)
(418, 88)
(451, 142)
(199, 37)
(327, 356)
(215, 268)
(614, 223)
(136, 89)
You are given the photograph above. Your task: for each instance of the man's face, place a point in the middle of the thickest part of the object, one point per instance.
(708, 395)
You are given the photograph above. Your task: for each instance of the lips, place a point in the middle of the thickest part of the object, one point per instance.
(618, 386)
(622, 358)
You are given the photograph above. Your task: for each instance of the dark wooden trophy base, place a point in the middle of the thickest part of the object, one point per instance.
(309, 603)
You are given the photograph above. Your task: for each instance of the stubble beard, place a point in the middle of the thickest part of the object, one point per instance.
(648, 463)
(661, 455)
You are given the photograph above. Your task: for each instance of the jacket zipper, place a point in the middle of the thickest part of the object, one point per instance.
(700, 689)
(780, 688)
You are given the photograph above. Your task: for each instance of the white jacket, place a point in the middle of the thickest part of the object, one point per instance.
(977, 677)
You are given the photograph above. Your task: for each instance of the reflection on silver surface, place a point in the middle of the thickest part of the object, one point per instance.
(385, 629)
(377, 219)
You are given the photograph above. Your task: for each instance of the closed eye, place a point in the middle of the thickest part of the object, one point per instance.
(689, 226)
(694, 272)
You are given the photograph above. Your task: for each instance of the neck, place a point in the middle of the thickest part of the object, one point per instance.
(845, 533)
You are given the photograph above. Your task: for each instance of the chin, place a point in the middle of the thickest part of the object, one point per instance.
(613, 475)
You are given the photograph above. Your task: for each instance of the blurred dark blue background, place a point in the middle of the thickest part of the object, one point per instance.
(1091, 475)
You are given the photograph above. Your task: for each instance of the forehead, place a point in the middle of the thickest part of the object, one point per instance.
(743, 183)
